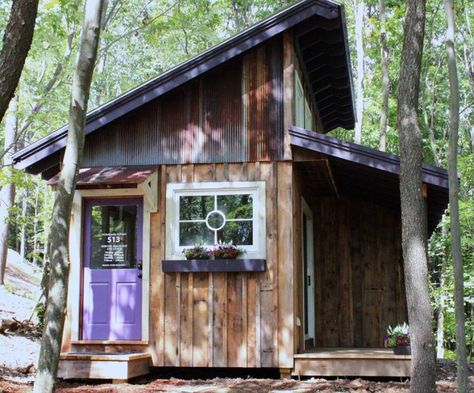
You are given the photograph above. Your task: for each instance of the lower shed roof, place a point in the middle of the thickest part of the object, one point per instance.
(370, 174)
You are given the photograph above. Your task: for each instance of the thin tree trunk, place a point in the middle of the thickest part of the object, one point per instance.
(7, 194)
(16, 44)
(429, 118)
(472, 139)
(440, 318)
(59, 265)
(35, 228)
(385, 79)
(46, 232)
(461, 356)
(241, 14)
(359, 24)
(24, 212)
(442, 297)
(414, 220)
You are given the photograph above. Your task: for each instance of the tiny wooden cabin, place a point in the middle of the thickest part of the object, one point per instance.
(231, 146)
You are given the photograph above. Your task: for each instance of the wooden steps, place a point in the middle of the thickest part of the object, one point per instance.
(99, 365)
(368, 362)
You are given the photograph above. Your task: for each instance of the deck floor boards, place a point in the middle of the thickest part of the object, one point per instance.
(350, 353)
(376, 362)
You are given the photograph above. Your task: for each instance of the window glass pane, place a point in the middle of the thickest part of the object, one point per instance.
(299, 103)
(113, 237)
(307, 117)
(191, 233)
(235, 206)
(195, 207)
(240, 233)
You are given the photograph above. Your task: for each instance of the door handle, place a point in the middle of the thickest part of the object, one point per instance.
(140, 276)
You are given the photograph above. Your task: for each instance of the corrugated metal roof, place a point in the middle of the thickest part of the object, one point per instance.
(110, 176)
(31, 157)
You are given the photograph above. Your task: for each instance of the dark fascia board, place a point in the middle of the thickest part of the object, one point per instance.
(181, 74)
(348, 59)
(362, 155)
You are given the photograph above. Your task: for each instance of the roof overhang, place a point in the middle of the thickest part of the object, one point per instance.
(34, 158)
(141, 177)
(321, 46)
(371, 174)
(109, 177)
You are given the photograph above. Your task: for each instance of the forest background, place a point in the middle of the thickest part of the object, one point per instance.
(143, 38)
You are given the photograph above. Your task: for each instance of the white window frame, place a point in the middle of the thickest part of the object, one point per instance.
(303, 114)
(299, 102)
(175, 190)
(308, 116)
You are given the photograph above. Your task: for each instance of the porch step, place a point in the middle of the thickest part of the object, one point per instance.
(367, 362)
(99, 365)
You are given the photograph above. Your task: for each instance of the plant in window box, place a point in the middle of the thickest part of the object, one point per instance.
(197, 252)
(398, 338)
(227, 251)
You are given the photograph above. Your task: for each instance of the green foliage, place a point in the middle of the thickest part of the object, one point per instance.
(40, 311)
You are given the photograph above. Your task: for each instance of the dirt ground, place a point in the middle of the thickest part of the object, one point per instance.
(154, 383)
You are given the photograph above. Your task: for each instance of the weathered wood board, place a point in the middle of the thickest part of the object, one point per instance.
(225, 319)
(359, 273)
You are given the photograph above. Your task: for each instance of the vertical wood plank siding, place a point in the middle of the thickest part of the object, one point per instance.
(358, 272)
(231, 114)
(225, 319)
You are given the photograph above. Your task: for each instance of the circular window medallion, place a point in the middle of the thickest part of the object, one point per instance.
(215, 220)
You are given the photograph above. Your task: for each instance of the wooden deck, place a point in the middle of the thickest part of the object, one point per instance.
(115, 366)
(368, 362)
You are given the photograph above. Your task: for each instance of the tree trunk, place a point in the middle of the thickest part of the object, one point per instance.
(429, 118)
(59, 259)
(360, 9)
(442, 295)
(241, 14)
(441, 308)
(461, 356)
(385, 79)
(35, 228)
(414, 220)
(7, 194)
(24, 212)
(472, 139)
(16, 44)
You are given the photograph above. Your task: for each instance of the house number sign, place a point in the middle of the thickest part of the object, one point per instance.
(114, 248)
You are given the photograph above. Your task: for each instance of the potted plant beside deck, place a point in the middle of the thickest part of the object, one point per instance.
(398, 338)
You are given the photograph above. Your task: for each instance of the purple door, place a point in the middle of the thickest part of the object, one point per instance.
(112, 296)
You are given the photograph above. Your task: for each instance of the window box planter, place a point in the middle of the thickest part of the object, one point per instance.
(213, 265)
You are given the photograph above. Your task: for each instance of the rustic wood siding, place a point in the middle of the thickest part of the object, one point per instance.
(264, 102)
(225, 319)
(231, 114)
(358, 271)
